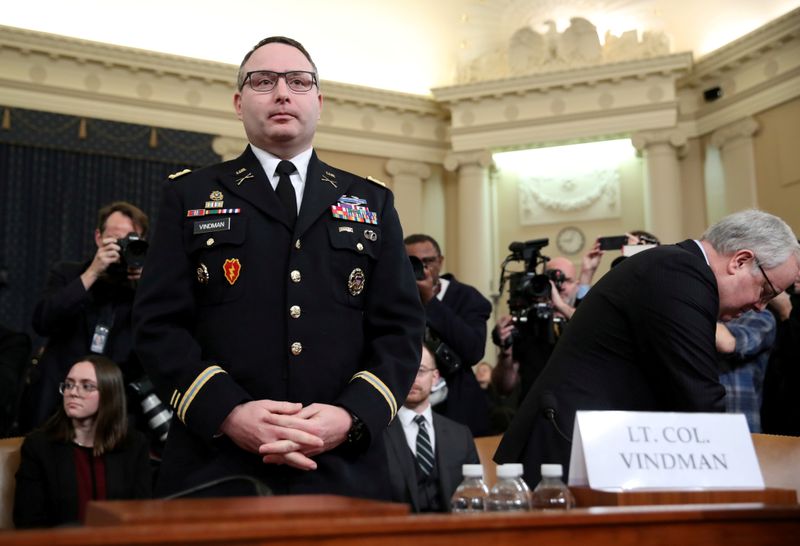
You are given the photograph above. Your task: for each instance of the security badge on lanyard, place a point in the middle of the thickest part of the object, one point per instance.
(102, 329)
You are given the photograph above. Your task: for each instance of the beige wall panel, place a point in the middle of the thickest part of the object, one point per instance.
(777, 150)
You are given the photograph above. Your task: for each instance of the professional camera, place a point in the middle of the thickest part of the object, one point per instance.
(447, 361)
(132, 250)
(529, 291)
(418, 267)
(158, 415)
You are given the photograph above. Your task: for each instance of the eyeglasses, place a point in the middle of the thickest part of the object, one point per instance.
(764, 298)
(428, 260)
(264, 81)
(422, 370)
(84, 387)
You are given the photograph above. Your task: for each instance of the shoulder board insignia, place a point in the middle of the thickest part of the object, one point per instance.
(376, 181)
(178, 174)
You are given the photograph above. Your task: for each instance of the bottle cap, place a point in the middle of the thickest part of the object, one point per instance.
(472, 470)
(552, 471)
(509, 470)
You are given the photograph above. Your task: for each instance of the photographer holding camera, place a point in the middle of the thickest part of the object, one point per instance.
(456, 316)
(86, 308)
(540, 305)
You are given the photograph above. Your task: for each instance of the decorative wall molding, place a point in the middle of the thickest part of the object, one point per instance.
(744, 128)
(675, 138)
(754, 73)
(583, 103)
(416, 169)
(478, 158)
(71, 76)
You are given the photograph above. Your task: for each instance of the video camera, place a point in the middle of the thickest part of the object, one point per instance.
(529, 292)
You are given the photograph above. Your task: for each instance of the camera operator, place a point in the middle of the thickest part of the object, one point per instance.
(86, 308)
(527, 336)
(456, 316)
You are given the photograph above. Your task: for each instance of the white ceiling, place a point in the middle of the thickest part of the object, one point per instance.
(402, 45)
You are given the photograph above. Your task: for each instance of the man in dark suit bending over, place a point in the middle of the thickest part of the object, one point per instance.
(643, 338)
(425, 466)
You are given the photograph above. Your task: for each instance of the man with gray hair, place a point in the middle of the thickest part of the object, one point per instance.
(643, 339)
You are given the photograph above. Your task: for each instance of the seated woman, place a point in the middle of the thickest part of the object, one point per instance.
(83, 452)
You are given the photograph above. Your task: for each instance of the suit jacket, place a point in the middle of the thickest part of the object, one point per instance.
(238, 306)
(47, 489)
(460, 321)
(67, 314)
(643, 339)
(454, 446)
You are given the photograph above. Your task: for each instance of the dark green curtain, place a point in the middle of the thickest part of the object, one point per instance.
(55, 173)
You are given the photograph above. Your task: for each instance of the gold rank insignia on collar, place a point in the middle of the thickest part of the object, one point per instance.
(243, 175)
(178, 174)
(330, 178)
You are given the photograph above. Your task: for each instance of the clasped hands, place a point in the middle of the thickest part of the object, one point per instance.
(286, 432)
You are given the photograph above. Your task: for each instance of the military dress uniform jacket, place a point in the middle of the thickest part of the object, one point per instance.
(236, 306)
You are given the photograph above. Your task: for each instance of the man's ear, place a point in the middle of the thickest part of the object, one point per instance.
(739, 259)
(435, 375)
(98, 238)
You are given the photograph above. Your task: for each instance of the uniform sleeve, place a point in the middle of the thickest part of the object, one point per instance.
(201, 392)
(464, 330)
(393, 330)
(675, 320)
(63, 299)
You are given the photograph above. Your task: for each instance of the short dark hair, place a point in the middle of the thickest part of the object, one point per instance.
(422, 238)
(273, 40)
(111, 424)
(137, 216)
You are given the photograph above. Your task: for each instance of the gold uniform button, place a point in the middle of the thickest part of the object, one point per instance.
(209, 241)
(297, 244)
(359, 246)
(295, 276)
(294, 311)
(297, 348)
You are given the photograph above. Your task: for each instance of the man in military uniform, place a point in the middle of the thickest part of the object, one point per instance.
(279, 315)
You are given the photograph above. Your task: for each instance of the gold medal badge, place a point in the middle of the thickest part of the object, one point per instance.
(355, 283)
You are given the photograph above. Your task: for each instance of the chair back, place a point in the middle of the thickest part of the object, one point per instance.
(9, 463)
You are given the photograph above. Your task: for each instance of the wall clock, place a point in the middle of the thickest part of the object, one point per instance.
(570, 240)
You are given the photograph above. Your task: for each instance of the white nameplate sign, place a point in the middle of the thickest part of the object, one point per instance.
(623, 450)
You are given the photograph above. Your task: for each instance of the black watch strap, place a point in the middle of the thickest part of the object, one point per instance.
(358, 435)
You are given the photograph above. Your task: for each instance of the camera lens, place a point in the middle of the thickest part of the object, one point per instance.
(418, 267)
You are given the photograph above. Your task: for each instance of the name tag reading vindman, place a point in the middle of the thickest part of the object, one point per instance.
(647, 450)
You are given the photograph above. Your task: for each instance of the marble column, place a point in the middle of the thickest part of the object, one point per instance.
(662, 193)
(407, 185)
(474, 217)
(735, 144)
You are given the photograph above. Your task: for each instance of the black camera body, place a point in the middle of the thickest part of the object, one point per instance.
(132, 250)
(418, 267)
(447, 361)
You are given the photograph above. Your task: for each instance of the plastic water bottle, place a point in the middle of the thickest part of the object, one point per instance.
(552, 493)
(471, 493)
(510, 493)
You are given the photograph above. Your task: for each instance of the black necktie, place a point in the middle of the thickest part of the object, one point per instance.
(285, 190)
(424, 452)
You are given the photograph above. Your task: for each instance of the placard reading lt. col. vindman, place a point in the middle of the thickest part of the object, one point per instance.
(649, 450)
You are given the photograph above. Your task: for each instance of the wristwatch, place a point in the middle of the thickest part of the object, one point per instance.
(358, 434)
